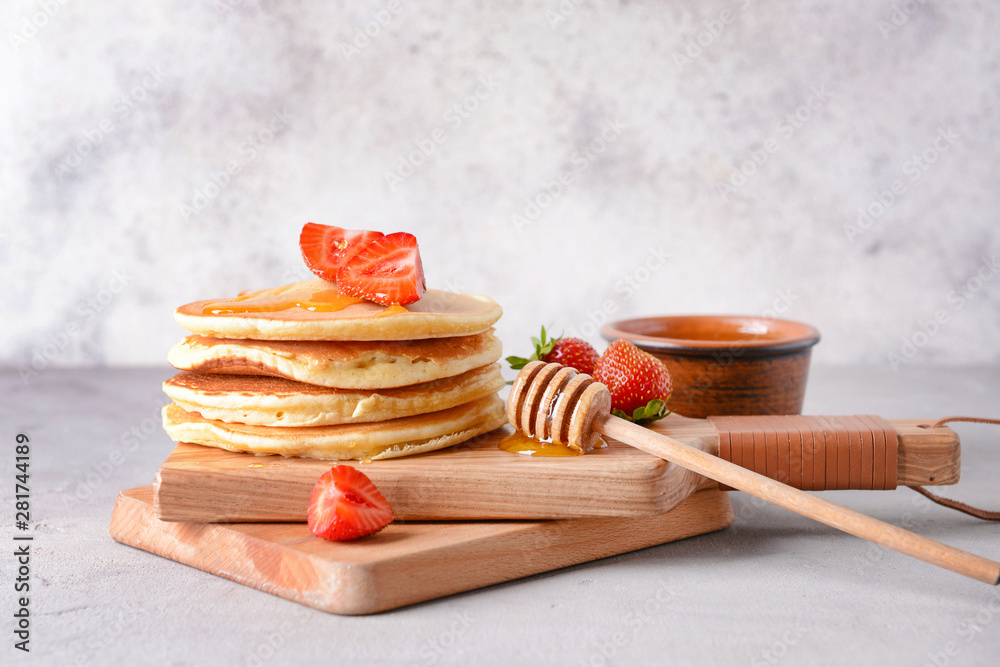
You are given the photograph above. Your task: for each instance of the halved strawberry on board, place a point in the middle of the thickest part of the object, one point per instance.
(326, 248)
(345, 505)
(387, 271)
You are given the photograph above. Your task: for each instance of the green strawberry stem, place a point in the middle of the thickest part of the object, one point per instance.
(543, 345)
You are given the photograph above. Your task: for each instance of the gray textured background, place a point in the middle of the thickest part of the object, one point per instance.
(114, 117)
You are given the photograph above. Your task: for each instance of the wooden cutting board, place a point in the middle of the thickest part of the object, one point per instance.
(476, 480)
(407, 562)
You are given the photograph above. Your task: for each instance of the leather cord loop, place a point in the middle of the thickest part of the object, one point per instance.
(985, 515)
(973, 420)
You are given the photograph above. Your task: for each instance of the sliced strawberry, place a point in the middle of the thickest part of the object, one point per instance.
(346, 505)
(639, 382)
(387, 271)
(326, 248)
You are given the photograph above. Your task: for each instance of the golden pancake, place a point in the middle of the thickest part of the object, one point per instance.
(376, 440)
(270, 401)
(324, 313)
(341, 364)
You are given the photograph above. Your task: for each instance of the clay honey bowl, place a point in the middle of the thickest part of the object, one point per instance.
(726, 364)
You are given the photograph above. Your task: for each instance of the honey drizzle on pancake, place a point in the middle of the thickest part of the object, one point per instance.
(282, 298)
(394, 309)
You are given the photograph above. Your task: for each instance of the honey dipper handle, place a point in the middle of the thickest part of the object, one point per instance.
(803, 503)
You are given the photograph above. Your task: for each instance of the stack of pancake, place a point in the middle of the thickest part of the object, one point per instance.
(303, 370)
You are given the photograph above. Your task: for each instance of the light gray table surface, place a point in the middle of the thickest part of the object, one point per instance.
(775, 588)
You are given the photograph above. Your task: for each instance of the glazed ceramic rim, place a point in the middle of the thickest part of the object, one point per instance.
(797, 337)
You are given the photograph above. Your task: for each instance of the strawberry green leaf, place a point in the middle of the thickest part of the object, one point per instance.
(651, 412)
(518, 363)
(543, 345)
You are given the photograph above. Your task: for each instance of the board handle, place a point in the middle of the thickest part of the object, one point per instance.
(577, 411)
(814, 507)
(816, 453)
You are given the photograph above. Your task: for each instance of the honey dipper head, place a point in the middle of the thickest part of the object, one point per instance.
(553, 403)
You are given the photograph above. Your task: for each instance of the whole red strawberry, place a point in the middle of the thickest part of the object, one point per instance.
(572, 352)
(638, 381)
(346, 505)
(575, 353)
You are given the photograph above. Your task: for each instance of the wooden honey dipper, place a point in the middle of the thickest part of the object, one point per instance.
(554, 403)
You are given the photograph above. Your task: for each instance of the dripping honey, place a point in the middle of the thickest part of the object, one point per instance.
(519, 443)
(394, 309)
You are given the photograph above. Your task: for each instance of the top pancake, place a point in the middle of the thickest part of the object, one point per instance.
(438, 314)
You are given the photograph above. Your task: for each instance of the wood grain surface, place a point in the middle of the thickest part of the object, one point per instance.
(406, 563)
(476, 480)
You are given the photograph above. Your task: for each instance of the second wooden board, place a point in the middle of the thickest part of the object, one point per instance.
(407, 562)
